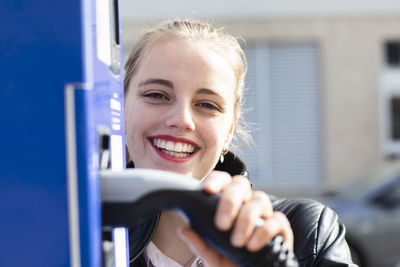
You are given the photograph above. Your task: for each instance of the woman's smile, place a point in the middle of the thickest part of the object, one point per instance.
(174, 148)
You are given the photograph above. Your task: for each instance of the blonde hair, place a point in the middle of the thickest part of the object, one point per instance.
(227, 45)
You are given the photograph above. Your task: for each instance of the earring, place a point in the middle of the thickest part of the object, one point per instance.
(224, 152)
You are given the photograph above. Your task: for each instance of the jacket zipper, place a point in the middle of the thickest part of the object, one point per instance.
(147, 243)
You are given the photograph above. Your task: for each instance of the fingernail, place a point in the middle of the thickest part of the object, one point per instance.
(237, 239)
(224, 222)
(252, 243)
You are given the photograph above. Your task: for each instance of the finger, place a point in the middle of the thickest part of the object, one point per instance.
(216, 181)
(232, 197)
(277, 224)
(259, 206)
(199, 247)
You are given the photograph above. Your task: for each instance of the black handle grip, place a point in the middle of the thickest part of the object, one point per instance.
(200, 209)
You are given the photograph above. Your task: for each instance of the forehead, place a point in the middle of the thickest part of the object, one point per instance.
(185, 60)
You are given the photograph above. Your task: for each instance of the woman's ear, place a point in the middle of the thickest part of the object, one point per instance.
(229, 137)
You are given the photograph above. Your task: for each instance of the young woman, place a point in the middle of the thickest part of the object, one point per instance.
(183, 93)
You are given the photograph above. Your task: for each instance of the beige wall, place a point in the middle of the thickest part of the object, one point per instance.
(351, 65)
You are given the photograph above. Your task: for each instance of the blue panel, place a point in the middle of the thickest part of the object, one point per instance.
(45, 45)
(88, 182)
(40, 50)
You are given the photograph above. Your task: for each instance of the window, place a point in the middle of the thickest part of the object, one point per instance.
(392, 53)
(395, 118)
(283, 104)
(391, 98)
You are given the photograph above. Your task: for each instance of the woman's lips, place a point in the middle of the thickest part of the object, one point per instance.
(173, 148)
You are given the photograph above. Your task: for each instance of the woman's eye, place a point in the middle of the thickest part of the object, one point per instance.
(209, 106)
(155, 95)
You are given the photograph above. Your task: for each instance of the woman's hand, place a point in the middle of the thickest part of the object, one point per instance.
(239, 208)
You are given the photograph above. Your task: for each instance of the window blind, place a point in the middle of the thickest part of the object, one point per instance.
(283, 107)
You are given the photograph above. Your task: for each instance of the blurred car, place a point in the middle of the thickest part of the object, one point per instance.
(369, 207)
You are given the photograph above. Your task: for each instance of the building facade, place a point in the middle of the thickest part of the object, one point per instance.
(323, 94)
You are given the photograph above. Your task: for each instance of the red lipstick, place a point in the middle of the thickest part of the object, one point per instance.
(173, 139)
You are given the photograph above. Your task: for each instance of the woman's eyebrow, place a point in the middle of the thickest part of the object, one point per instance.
(206, 91)
(157, 81)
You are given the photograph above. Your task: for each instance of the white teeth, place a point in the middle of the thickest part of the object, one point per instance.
(174, 154)
(162, 144)
(170, 146)
(185, 147)
(190, 148)
(177, 149)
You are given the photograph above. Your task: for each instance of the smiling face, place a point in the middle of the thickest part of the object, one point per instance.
(179, 109)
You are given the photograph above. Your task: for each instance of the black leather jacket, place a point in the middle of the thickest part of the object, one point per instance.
(319, 238)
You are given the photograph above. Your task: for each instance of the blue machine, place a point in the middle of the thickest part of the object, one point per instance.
(61, 94)
(62, 126)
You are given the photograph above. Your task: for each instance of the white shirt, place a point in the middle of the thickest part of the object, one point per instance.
(154, 257)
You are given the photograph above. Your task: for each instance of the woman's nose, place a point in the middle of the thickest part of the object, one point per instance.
(180, 117)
